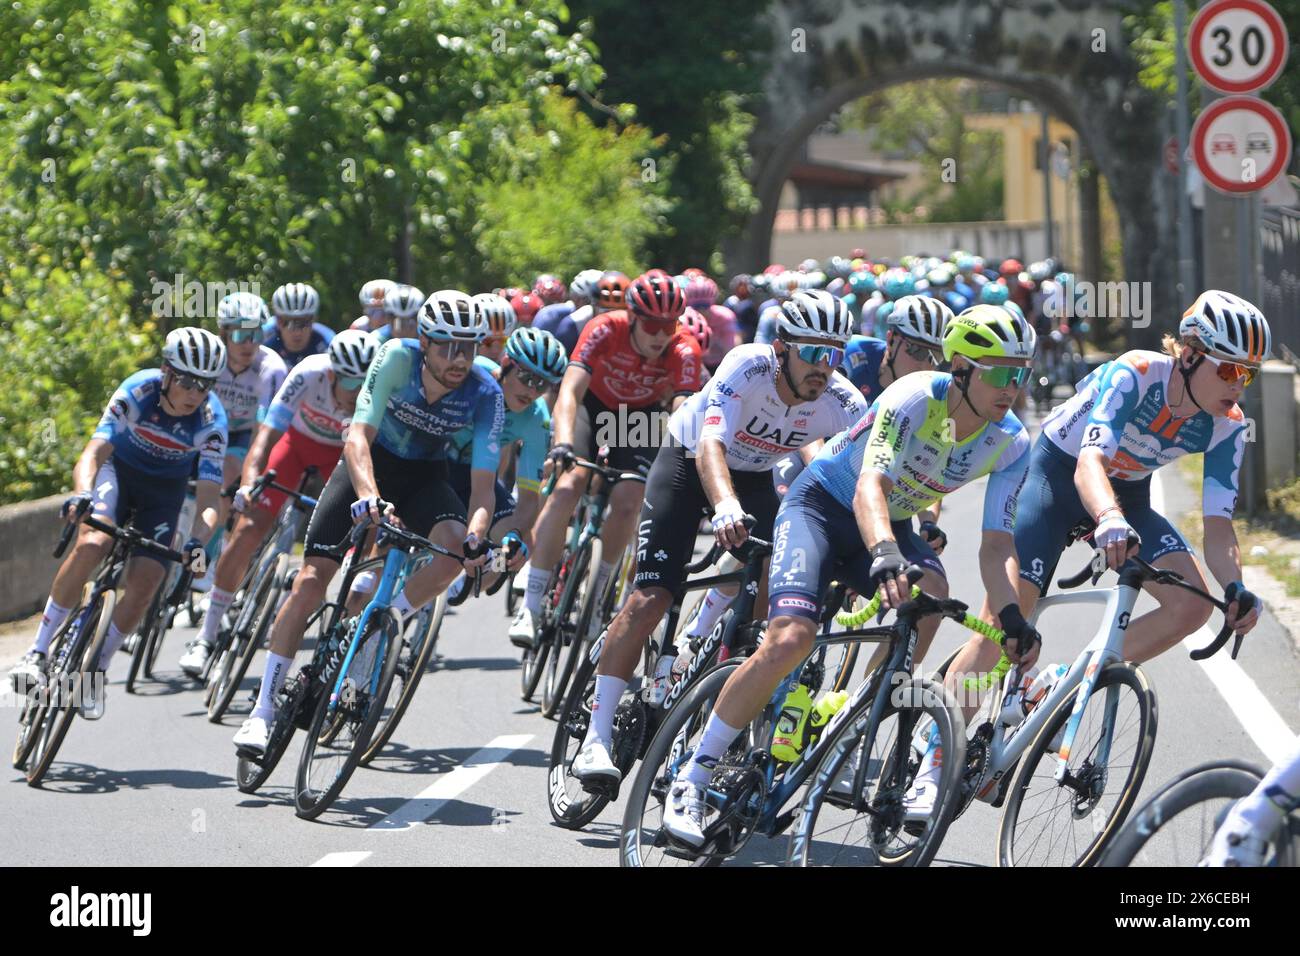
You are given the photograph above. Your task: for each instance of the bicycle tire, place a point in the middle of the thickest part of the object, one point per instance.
(666, 754)
(143, 638)
(251, 774)
(241, 653)
(307, 804)
(1123, 673)
(557, 678)
(534, 659)
(1220, 780)
(57, 720)
(512, 599)
(410, 668)
(166, 619)
(32, 714)
(928, 700)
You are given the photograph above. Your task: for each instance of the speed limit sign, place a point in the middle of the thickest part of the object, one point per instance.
(1237, 46)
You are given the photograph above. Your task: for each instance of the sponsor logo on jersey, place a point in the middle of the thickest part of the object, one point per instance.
(793, 603)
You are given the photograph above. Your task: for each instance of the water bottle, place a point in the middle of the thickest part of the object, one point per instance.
(787, 741)
(827, 706)
(1012, 707)
(1037, 690)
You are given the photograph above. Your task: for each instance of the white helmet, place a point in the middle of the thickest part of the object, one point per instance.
(242, 310)
(1228, 327)
(815, 315)
(403, 301)
(584, 284)
(498, 313)
(375, 293)
(295, 300)
(921, 317)
(351, 353)
(450, 314)
(195, 352)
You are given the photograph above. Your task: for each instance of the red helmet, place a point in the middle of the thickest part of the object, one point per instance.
(858, 254)
(610, 289)
(695, 323)
(1011, 267)
(655, 296)
(526, 306)
(700, 289)
(775, 270)
(692, 272)
(550, 289)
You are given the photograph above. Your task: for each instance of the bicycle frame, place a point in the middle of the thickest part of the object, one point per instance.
(279, 541)
(1105, 648)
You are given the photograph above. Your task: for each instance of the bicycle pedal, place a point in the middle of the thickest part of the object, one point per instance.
(247, 753)
(605, 787)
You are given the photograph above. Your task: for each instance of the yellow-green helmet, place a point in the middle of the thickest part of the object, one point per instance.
(988, 331)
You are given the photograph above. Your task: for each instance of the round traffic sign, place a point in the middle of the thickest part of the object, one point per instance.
(1237, 46)
(1240, 144)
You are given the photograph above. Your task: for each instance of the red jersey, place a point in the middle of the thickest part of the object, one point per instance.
(620, 375)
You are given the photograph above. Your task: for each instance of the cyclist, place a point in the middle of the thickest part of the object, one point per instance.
(611, 288)
(417, 394)
(402, 304)
(1242, 839)
(766, 401)
(549, 288)
(624, 361)
(501, 322)
(850, 514)
(294, 334)
(525, 304)
(304, 428)
(1097, 452)
(914, 343)
(701, 294)
(534, 361)
(783, 287)
(372, 296)
(250, 379)
(156, 426)
(741, 303)
(556, 318)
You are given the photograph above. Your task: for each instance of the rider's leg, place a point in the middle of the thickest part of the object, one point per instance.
(1178, 615)
(90, 548)
(624, 506)
(141, 581)
(548, 536)
(249, 532)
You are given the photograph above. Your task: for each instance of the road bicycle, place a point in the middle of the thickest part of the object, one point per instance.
(72, 662)
(145, 644)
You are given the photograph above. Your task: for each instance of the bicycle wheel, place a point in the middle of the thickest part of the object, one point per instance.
(571, 806)
(340, 734)
(1177, 825)
(229, 673)
(85, 651)
(643, 841)
(37, 699)
(413, 655)
(844, 826)
(144, 638)
(512, 598)
(1088, 802)
(577, 637)
(535, 658)
(251, 773)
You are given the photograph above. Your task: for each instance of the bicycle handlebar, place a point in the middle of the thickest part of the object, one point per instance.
(612, 475)
(715, 552)
(129, 535)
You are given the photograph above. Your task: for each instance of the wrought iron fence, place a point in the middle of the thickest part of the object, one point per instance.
(1279, 239)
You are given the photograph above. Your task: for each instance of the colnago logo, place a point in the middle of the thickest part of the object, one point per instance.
(77, 909)
(705, 654)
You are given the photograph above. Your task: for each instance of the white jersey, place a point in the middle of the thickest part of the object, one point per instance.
(741, 409)
(247, 396)
(306, 403)
(581, 316)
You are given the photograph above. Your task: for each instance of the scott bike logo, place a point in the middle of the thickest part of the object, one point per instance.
(1036, 568)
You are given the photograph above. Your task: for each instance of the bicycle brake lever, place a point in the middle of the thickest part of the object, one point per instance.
(1236, 645)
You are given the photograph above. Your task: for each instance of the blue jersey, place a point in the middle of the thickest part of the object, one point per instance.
(393, 402)
(862, 358)
(558, 320)
(321, 337)
(146, 438)
(531, 426)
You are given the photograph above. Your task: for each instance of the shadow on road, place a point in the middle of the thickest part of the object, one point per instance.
(478, 664)
(398, 758)
(82, 778)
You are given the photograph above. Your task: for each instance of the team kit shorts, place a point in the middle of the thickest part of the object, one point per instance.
(151, 504)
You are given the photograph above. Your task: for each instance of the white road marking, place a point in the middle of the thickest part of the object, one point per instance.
(350, 858)
(423, 806)
(1247, 702)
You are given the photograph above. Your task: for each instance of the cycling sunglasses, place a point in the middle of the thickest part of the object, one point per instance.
(239, 336)
(351, 383)
(530, 380)
(296, 324)
(1000, 376)
(920, 352)
(656, 326)
(812, 354)
(193, 383)
(452, 349)
(1232, 372)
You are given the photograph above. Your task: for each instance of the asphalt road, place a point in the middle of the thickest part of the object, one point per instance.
(152, 783)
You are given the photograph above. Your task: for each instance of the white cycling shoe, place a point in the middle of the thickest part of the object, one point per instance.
(1235, 844)
(918, 802)
(593, 764)
(684, 813)
(252, 735)
(523, 630)
(195, 657)
(28, 673)
(204, 584)
(93, 691)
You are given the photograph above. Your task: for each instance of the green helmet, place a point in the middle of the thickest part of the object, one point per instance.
(988, 331)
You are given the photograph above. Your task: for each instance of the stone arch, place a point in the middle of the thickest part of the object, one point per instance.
(1069, 55)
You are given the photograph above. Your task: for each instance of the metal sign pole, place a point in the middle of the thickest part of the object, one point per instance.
(1186, 264)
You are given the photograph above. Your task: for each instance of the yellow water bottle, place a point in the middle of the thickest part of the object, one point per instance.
(791, 724)
(827, 707)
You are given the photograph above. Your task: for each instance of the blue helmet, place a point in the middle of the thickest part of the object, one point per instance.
(898, 284)
(862, 283)
(538, 351)
(994, 293)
